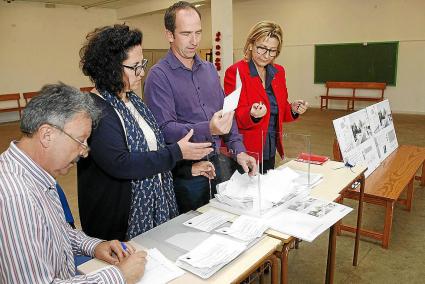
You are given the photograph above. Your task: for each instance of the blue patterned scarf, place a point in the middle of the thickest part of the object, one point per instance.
(153, 201)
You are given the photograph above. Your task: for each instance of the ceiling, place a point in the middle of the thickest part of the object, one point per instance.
(111, 4)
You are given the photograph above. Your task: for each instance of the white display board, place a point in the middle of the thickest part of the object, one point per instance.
(367, 136)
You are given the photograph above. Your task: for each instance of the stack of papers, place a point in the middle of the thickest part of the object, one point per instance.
(264, 192)
(210, 255)
(208, 220)
(306, 217)
(245, 228)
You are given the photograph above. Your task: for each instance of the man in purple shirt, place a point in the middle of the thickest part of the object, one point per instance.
(184, 93)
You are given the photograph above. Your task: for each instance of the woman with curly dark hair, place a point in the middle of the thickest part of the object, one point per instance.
(124, 186)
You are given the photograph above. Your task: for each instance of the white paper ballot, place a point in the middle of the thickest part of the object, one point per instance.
(231, 101)
(245, 228)
(238, 79)
(208, 220)
(158, 269)
(209, 256)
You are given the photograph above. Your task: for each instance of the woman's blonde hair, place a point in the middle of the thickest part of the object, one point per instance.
(262, 29)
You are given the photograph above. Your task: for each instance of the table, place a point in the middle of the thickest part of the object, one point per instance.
(385, 185)
(235, 272)
(337, 180)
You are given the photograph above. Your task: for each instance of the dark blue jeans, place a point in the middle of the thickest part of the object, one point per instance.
(194, 192)
(191, 193)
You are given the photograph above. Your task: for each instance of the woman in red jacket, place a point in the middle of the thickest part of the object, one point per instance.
(263, 104)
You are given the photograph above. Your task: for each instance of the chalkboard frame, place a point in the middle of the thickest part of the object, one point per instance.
(320, 77)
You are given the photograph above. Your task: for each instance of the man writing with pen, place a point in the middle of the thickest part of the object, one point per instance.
(37, 245)
(263, 103)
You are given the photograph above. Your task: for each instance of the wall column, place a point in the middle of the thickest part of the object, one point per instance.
(222, 21)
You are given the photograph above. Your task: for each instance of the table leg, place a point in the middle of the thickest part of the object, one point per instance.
(330, 268)
(284, 261)
(359, 220)
(389, 210)
(275, 276)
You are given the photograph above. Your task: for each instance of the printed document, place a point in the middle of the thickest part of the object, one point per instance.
(211, 255)
(245, 228)
(208, 220)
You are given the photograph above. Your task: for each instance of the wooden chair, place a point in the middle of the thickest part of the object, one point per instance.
(11, 97)
(86, 89)
(28, 96)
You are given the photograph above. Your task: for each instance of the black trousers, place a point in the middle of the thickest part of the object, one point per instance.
(267, 165)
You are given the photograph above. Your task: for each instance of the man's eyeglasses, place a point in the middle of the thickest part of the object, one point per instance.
(82, 144)
(138, 69)
(262, 50)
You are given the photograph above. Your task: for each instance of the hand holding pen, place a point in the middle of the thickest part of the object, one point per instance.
(113, 252)
(299, 106)
(258, 110)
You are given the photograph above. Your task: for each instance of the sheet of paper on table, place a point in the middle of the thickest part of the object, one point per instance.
(209, 220)
(211, 255)
(245, 228)
(159, 269)
(306, 217)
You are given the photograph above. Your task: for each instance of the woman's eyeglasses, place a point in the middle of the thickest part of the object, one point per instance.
(262, 50)
(138, 69)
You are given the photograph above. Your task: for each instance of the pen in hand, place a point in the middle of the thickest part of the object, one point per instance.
(124, 247)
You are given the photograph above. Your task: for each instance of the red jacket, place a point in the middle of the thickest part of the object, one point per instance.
(254, 92)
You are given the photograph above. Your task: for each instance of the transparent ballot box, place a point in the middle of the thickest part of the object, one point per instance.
(292, 153)
(261, 192)
(233, 189)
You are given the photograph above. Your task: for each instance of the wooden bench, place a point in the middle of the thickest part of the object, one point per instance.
(11, 97)
(353, 97)
(385, 185)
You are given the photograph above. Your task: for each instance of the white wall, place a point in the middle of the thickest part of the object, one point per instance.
(40, 45)
(153, 29)
(309, 22)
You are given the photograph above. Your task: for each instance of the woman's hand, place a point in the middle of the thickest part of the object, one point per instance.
(299, 106)
(203, 168)
(258, 110)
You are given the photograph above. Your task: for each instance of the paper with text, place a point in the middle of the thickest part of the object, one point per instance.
(159, 269)
(208, 221)
(245, 228)
(211, 255)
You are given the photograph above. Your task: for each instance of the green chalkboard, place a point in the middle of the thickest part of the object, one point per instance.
(356, 62)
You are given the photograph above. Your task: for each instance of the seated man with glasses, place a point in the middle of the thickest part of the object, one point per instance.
(263, 104)
(37, 244)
